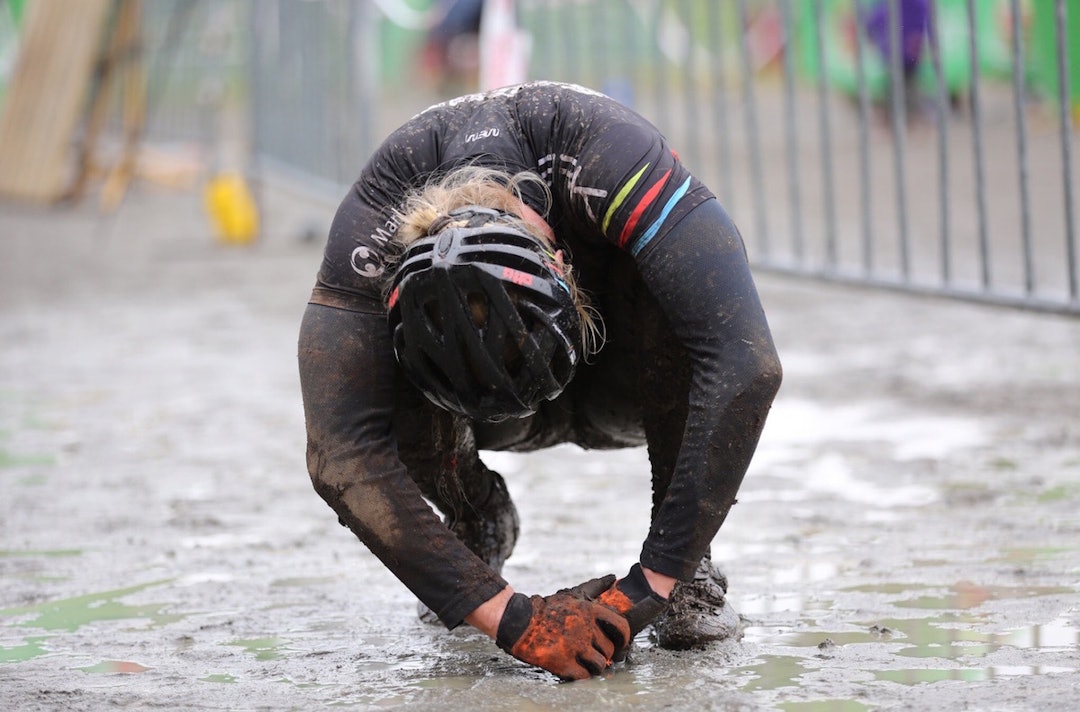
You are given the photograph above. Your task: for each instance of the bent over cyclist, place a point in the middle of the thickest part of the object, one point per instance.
(513, 270)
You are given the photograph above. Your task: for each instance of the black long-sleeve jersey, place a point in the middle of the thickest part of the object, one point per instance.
(616, 187)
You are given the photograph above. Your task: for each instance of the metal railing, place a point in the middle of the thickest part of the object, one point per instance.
(839, 155)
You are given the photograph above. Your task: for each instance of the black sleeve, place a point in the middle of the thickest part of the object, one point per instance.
(699, 274)
(347, 377)
(348, 373)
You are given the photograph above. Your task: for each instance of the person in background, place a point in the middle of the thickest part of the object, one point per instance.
(512, 270)
(913, 33)
(450, 54)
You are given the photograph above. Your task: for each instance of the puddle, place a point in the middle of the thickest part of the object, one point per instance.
(772, 673)
(264, 648)
(953, 642)
(823, 706)
(1056, 494)
(948, 636)
(115, 666)
(962, 595)
(920, 676)
(812, 639)
(966, 595)
(923, 638)
(1031, 554)
(302, 581)
(70, 614)
(54, 553)
(10, 459)
(30, 648)
(221, 677)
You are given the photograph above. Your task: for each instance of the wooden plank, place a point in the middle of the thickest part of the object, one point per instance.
(60, 44)
(120, 58)
(121, 175)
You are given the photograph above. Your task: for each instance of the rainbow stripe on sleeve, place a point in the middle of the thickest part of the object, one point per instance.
(650, 233)
(642, 206)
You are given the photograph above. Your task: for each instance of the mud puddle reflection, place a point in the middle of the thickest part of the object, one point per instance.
(960, 641)
(70, 614)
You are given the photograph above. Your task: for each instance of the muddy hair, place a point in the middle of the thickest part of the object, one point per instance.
(490, 188)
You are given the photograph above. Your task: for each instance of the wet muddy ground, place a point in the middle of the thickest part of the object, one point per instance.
(908, 536)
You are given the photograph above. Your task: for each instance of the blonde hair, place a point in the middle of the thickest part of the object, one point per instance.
(499, 190)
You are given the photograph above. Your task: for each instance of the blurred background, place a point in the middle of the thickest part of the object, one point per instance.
(924, 145)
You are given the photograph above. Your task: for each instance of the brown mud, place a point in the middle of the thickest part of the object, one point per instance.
(907, 537)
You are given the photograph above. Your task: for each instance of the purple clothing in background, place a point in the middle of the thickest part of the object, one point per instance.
(914, 18)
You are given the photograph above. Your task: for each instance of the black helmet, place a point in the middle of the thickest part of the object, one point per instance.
(481, 318)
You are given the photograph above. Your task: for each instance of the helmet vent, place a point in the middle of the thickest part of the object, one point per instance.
(561, 367)
(512, 358)
(435, 372)
(433, 311)
(478, 309)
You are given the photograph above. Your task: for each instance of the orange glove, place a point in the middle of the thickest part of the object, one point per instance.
(566, 633)
(635, 600)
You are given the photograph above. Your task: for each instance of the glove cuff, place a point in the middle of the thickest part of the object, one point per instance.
(648, 604)
(636, 587)
(514, 621)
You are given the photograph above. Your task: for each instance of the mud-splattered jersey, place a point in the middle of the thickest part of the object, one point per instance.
(687, 344)
(612, 176)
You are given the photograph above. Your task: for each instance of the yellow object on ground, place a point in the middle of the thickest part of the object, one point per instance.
(232, 209)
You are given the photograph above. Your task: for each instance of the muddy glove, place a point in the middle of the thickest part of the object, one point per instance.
(635, 600)
(566, 633)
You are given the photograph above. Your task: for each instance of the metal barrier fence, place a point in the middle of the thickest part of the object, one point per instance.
(924, 145)
(843, 153)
